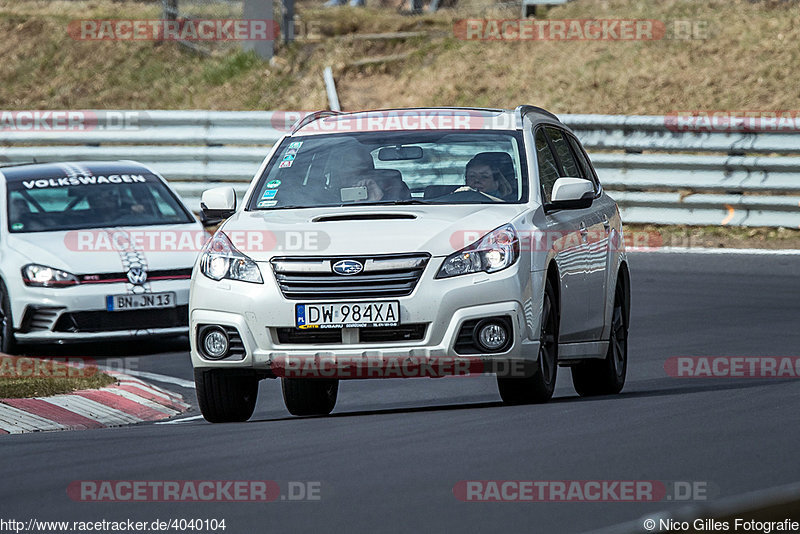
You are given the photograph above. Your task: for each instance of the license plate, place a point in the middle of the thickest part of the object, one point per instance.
(145, 301)
(350, 314)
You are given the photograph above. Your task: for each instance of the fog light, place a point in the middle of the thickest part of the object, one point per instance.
(215, 343)
(492, 335)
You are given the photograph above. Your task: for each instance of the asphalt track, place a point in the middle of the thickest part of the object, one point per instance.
(388, 458)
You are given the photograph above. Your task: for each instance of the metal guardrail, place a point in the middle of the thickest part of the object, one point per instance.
(656, 174)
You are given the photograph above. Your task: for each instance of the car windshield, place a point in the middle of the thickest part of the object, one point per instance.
(48, 204)
(430, 167)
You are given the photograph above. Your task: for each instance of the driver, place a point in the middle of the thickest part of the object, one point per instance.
(108, 199)
(482, 174)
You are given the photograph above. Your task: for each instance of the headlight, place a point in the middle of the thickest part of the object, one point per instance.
(220, 259)
(493, 252)
(42, 276)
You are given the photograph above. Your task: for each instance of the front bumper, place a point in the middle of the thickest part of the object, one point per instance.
(77, 314)
(443, 306)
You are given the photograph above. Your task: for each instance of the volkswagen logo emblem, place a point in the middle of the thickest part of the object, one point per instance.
(348, 267)
(137, 276)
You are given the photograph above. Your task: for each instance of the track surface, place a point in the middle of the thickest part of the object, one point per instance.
(388, 458)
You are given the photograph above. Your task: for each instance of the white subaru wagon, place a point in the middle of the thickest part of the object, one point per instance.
(411, 242)
(92, 250)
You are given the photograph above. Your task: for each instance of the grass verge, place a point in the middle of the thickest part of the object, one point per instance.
(25, 377)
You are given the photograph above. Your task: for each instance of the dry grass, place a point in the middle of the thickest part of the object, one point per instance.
(24, 377)
(747, 63)
(712, 236)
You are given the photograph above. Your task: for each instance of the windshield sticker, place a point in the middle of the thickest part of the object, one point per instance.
(285, 164)
(84, 180)
(296, 145)
(17, 226)
(290, 151)
(272, 184)
(288, 157)
(269, 194)
(267, 203)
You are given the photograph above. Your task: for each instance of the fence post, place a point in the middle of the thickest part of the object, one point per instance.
(260, 10)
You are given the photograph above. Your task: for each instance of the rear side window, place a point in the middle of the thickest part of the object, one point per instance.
(548, 168)
(561, 145)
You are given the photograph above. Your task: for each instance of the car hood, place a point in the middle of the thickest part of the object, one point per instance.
(438, 230)
(101, 250)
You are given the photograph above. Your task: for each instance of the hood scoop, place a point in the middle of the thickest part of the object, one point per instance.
(363, 217)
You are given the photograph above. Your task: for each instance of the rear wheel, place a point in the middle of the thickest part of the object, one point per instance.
(539, 387)
(224, 395)
(607, 376)
(8, 344)
(310, 396)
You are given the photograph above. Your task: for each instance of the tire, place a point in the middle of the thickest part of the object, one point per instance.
(310, 396)
(607, 376)
(225, 396)
(8, 344)
(539, 387)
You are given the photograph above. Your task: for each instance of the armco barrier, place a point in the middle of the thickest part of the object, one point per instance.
(656, 174)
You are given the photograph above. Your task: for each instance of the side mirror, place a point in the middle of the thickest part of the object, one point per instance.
(571, 194)
(217, 205)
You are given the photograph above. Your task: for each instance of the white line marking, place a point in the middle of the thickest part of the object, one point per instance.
(162, 378)
(748, 251)
(176, 421)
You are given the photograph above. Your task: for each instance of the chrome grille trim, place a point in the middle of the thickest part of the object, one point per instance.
(383, 276)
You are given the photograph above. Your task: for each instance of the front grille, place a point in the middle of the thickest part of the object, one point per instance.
(313, 278)
(160, 274)
(106, 321)
(382, 334)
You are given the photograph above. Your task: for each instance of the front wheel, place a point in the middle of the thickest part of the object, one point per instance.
(310, 396)
(539, 387)
(8, 344)
(607, 376)
(225, 395)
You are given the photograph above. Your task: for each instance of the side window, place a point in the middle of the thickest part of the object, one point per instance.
(583, 160)
(548, 168)
(561, 145)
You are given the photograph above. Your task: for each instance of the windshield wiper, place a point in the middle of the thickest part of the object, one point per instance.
(390, 202)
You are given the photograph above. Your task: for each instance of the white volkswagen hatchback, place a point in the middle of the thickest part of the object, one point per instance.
(92, 250)
(413, 242)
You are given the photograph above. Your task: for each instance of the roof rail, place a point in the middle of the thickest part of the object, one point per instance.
(311, 117)
(523, 110)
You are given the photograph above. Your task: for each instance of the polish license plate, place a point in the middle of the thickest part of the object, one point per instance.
(347, 314)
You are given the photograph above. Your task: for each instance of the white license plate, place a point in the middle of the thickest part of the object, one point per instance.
(145, 301)
(350, 314)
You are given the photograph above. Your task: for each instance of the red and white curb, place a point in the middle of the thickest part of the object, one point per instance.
(129, 401)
